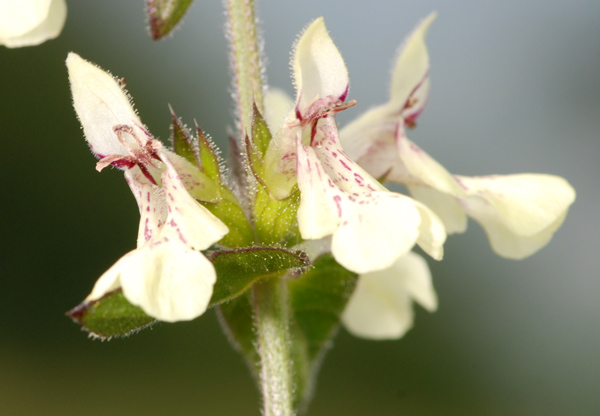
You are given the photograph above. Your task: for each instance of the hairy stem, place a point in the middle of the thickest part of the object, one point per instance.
(246, 60)
(271, 320)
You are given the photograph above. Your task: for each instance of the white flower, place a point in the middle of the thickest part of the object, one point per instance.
(167, 275)
(519, 213)
(381, 305)
(30, 22)
(370, 226)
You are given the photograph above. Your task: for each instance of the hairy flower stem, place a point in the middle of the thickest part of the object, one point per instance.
(271, 320)
(269, 297)
(245, 59)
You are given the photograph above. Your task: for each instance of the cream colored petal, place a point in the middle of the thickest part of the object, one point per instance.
(376, 229)
(151, 202)
(371, 134)
(195, 225)
(432, 234)
(508, 244)
(319, 213)
(45, 22)
(519, 212)
(379, 309)
(421, 168)
(110, 280)
(319, 70)
(525, 203)
(370, 231)
(375, 128)
(381, 305)
(278, 106)
(18, 17)
(412, 65)
(417, 277)
(343, 171)
(101, 104)
(168, 279)
(445, 206)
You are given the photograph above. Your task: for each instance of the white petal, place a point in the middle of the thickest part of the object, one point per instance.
(28, 23)
(369, 140)
(343, 171)
(381, 305)
(167, 279)
(370, 228)
(195, 225)
(519, 212)
(432, 234)
(110, 280)
(101, 104)
(412, 65)
(445, 206)
(278, 106)
(418, 168)
(419, 285)
(151, 202)
(22, 16)
(376, 230)
(372, 135)
(319, 70)
(319, 213)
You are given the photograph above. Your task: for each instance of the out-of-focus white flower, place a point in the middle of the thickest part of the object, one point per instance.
(167, 275)
(30, 22)
(370, 226)
(381, 306)
(519, 213)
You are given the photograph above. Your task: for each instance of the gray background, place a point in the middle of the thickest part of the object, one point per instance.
(516, 88)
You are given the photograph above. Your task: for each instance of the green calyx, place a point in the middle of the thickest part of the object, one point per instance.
(217, 198)
(275, 220)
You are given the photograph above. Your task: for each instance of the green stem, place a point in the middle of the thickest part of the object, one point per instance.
(246, 62)
(269, 297)
(271, 320)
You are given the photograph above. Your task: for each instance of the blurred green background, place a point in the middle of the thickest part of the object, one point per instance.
(516, 88)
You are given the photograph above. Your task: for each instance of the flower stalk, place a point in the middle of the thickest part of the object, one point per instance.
(269, 298)
(245, 61)
(271, 320)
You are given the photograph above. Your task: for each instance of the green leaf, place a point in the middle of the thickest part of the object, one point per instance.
(110, 316)
(164, 15)
(317, 299)
(236, 320)
(238, 269)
